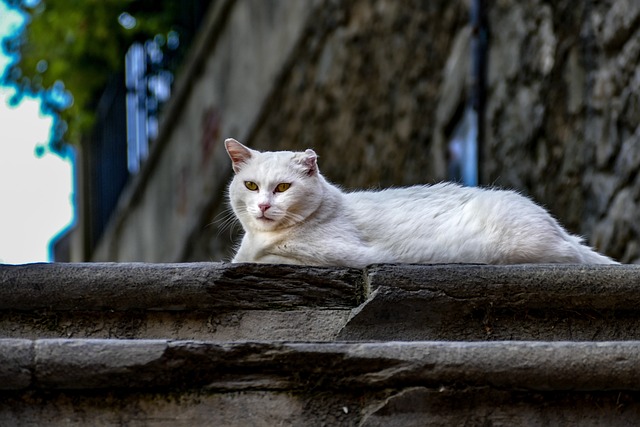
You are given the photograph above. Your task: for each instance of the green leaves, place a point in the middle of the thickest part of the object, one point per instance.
(80, 44)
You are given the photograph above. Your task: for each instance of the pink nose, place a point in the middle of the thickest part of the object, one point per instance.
(264, 206)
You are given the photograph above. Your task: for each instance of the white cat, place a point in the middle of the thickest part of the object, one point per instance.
(292, 215)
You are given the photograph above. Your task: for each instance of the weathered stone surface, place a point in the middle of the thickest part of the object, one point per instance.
(248, 408)
(621, 19)
(575, 151)
(212, 301)
(230, 366)
(300, 324)
(411, 407)
(447, 407)
(167, 287)
(553, 303)
(535, 286)
(202, 301)
(391, 384)
(97, 364)
(248, 380)
(16, 363)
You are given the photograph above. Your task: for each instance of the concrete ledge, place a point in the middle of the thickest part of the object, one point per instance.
(176, 287)
(204, 301)
(486, 302)
(192, 286)
(233, 366)
(17, 358)
(218, 301)
(533, 286)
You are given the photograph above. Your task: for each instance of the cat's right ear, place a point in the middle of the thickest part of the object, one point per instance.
(238, 153)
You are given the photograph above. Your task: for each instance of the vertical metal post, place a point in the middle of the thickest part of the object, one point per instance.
(466, 143)
(136, 82)
(479, 47)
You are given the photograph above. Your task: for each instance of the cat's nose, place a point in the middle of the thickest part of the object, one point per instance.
(264, 206)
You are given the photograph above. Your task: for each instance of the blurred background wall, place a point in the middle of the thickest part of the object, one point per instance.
(541, 97)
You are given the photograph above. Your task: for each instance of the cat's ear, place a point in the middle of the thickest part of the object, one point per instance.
(238, 153)
(309, 160)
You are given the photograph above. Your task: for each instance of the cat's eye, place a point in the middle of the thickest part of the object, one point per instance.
(251, 185)
(283, 186)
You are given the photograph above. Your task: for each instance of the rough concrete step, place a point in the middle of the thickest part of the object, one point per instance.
(181, 301)
(216, 301)
(164, 382)
(484, 302)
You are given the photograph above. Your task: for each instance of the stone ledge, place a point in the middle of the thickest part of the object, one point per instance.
(176, 287)
(218, 301)
(195, 286)
(234, 366)
(530, 285)
(487, 302)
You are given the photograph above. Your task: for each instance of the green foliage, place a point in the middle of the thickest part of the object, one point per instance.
(78, 45)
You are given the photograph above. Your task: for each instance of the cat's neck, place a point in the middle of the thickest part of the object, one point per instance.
(331, 205)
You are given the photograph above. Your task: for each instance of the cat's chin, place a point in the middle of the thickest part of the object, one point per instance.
(265, 224)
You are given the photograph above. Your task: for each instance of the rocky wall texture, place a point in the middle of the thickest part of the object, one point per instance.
(364, 91)
(563, 114)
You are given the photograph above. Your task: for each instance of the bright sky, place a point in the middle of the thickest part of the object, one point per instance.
(36, 199)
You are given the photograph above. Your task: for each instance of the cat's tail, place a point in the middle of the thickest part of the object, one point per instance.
(590, 256)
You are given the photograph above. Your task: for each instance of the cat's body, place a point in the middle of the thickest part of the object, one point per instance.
(292, 215)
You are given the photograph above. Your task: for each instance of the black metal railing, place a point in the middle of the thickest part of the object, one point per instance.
(127, 120)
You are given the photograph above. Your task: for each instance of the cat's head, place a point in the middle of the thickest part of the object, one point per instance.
(273, 190)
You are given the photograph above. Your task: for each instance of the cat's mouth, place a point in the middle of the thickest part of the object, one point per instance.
(265, 219)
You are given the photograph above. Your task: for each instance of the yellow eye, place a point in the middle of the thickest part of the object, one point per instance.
(283, 186)
(251, 185)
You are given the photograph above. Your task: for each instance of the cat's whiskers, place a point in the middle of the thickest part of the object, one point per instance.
(225, 220)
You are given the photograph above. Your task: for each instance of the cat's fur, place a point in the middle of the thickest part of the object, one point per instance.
(313, 222)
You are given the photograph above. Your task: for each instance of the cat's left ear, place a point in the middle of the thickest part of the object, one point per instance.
(238, 153)
(310, 162)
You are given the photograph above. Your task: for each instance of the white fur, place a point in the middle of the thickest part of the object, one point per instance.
(315, 223)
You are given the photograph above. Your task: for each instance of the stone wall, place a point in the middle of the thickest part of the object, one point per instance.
(563, 115)
(364, 91)
(376, 87)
